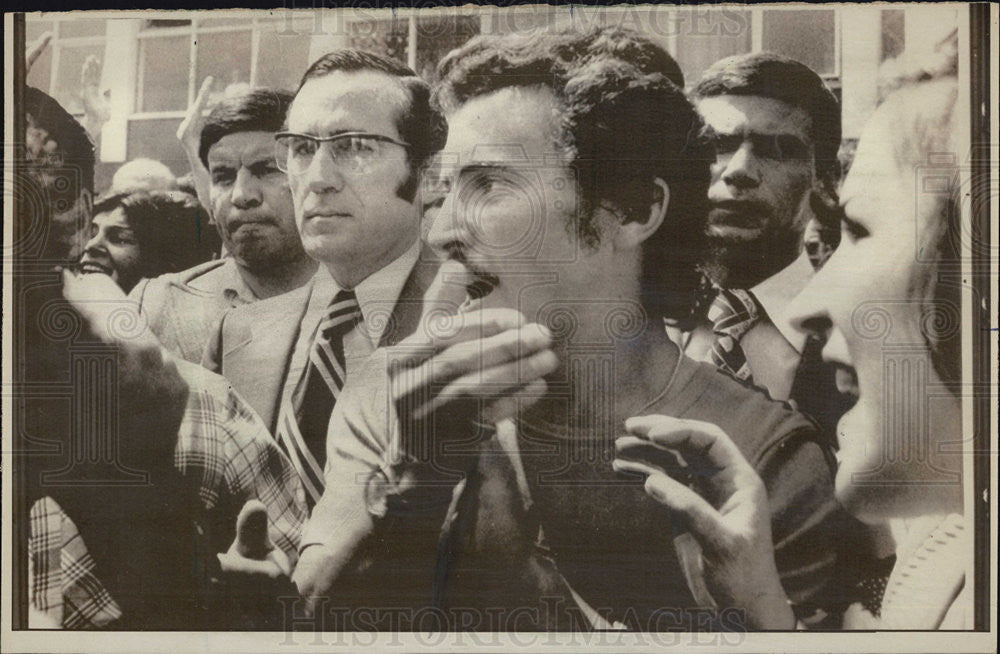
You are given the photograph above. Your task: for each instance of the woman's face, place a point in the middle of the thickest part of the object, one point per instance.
(113, 249)
(868, 303)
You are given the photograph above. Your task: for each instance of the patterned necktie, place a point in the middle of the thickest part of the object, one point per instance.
(305, 417)
(733, 314)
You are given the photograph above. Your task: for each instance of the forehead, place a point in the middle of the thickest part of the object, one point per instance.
(733, 114)
(515, 124)
(114, 218)
(366, 101)
(241, 147)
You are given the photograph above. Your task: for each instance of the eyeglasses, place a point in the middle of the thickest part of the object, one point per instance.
(351, 152)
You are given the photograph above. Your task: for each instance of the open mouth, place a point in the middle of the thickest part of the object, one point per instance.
(88, 267)
(744, 215)
(846, 379)
(480, 282)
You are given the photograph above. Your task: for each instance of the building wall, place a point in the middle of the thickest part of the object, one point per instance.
(154, 63)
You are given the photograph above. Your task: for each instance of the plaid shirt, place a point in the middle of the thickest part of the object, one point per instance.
(224, 449)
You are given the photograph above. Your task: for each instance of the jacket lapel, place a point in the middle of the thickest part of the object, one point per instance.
(409, 307)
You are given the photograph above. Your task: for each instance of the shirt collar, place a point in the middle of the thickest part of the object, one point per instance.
(236, 289)
(377, 294)
(776, 293)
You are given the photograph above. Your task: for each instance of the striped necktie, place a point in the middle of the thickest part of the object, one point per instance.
(733, 314)
(305, 417)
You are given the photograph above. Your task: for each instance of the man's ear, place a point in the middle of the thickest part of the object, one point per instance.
(632, 234)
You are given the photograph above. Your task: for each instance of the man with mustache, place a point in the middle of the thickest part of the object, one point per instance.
(252, 209)
(776, 132)
(357, 137)
(469, 468)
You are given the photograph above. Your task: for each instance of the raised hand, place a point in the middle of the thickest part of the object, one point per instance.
(461, 370)
(35, 50)
(96, 109)
(725, 509)
(189, 134)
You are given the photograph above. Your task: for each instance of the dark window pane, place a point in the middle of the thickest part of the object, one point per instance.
(281, 59)
(226, 57)
(706, 35)
(157, 139)
(163, 24)
(164, 73)
(436, 37)
(385, 37)
(893, 33)
(806, 35)
(69, 29)
(67, 77)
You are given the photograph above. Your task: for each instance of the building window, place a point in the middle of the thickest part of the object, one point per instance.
(57, 70)
(807, 35)
(175, 57)
(417, 41)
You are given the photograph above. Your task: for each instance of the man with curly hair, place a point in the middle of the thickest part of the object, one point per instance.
(481, 448)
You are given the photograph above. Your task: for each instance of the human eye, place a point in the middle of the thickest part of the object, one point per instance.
(223, 175)
(302, 146)
(790, 147)
(725, 143)
(122, 237)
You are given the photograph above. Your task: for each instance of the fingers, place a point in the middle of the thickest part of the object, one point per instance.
(90, 74)
(189, 131)
(701, 519)
(494, 382)
(638, 449)
(201, 100)
(252, 539)
(509, 406)
(452, 330)
(700, 443)
(36, 49)
(484, 368)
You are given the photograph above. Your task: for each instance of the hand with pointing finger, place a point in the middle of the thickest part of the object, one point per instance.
(725, 509)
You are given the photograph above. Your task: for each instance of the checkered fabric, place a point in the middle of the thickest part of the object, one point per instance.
(224, 449)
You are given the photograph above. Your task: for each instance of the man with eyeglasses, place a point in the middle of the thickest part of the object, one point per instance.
(359, 132)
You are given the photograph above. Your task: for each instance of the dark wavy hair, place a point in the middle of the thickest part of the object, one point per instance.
(171, 227)
(625, 122)
(420, 124)
(259, 110)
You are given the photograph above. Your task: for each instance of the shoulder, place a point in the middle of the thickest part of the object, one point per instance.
(758, 424)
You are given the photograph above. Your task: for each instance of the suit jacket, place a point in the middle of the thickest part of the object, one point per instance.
(253, 344)
(183, 308)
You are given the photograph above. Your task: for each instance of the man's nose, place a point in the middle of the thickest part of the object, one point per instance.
(323, 175)
(246, 191)
(741, 168)
(447, 227)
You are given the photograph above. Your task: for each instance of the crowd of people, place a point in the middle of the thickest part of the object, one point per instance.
(542, 347)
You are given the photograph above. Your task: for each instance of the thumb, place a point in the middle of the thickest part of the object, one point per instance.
(444, 297)
(252, 540)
